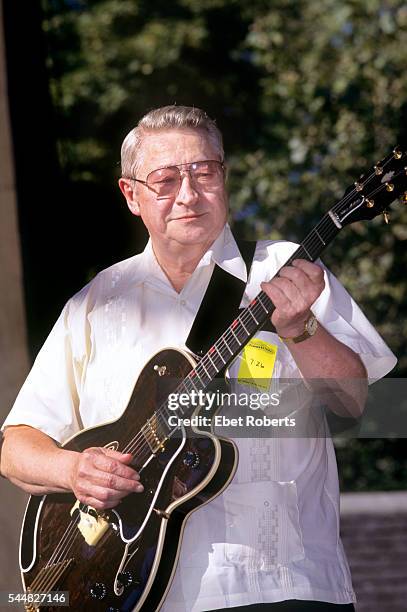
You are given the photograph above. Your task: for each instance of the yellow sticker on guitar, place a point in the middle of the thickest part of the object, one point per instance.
(257, 364)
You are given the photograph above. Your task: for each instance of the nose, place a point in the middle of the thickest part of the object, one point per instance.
(187, 193)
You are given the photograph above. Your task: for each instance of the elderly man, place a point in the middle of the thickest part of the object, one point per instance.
(271, 539)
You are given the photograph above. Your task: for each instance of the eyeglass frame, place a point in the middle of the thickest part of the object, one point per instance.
(178, 166)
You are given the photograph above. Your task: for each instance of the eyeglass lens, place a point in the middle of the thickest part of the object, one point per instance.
(167, 181)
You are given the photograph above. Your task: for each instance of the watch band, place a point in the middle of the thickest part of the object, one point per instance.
(310, 327)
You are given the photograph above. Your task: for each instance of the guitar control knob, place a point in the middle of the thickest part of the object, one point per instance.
(191, 459)
(125, 579)
(98, 591)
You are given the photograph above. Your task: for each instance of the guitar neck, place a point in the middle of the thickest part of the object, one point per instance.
(253, 317)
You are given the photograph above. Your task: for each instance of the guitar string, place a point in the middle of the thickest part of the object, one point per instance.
(67, 542)
(65, 547)
(71, 527)
(229, 334)
(137, 442)
(53, 577)
(202, 369)
(41, 579)
(48, 579)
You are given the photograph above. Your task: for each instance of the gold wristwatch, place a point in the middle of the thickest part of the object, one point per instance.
(310, 327)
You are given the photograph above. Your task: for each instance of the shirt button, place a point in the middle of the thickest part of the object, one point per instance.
(183, 303)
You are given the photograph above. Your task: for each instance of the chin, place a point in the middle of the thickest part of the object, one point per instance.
(191, 230)
(189, 237)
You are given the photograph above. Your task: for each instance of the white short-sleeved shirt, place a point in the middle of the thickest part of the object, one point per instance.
(273, 534)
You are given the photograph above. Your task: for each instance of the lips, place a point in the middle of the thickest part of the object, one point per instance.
(186, 217)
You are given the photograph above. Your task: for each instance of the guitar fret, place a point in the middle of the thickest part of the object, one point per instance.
(160, 426)
(227, 346)
(309, 256)
(260, 300)
(237, 339)
(193, 384)
(300, 254)
(166, 410)
(220, 354)
(321, 239)
(243, 325)
(146, 439)
(210, 359)
(260, 314)
(183, 389)
(200, 379)
(201, 363)
(168, 413)
(256, 321)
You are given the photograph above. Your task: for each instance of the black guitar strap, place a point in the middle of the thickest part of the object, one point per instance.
(211, 321)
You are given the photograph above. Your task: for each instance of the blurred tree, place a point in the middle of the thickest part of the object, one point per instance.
(111, 60)
(308, 95)
(333, 101)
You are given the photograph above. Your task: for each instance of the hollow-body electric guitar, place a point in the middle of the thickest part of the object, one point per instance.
(124, 559)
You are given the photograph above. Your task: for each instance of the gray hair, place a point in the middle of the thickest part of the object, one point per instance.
(164, 118)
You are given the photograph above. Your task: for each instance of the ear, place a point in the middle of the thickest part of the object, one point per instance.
(128, 189)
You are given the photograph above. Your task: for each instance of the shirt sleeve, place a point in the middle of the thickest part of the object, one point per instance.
(336, 310)
(49, 398)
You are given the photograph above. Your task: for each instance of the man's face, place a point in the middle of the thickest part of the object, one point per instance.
(193, 216)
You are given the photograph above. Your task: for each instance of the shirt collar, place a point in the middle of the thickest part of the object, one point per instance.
(224, 252)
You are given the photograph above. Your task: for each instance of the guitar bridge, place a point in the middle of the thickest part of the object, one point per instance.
(92, 525)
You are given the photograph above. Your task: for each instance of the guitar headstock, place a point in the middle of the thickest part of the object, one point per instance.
(373, 193)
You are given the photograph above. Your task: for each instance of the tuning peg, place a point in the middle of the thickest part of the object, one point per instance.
(378, 169)
(386, 217)
(358, 186)
(404, 198)
(369, 203)
(397, 153)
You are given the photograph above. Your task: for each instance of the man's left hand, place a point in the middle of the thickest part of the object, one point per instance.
(293, 292)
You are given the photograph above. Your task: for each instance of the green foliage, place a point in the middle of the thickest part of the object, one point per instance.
(333, 89)
(372, 465)
(308, 95)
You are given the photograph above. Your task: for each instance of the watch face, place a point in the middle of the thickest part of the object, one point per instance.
(312, 325)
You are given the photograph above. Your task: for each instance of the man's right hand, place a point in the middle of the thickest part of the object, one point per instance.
(101, 477)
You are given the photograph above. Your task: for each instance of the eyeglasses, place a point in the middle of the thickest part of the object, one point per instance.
(166, 182)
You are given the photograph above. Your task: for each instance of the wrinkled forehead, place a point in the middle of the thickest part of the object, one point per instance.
(176, 146)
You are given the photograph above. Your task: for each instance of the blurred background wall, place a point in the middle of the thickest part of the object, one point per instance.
(13, 341)
(308, 96)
